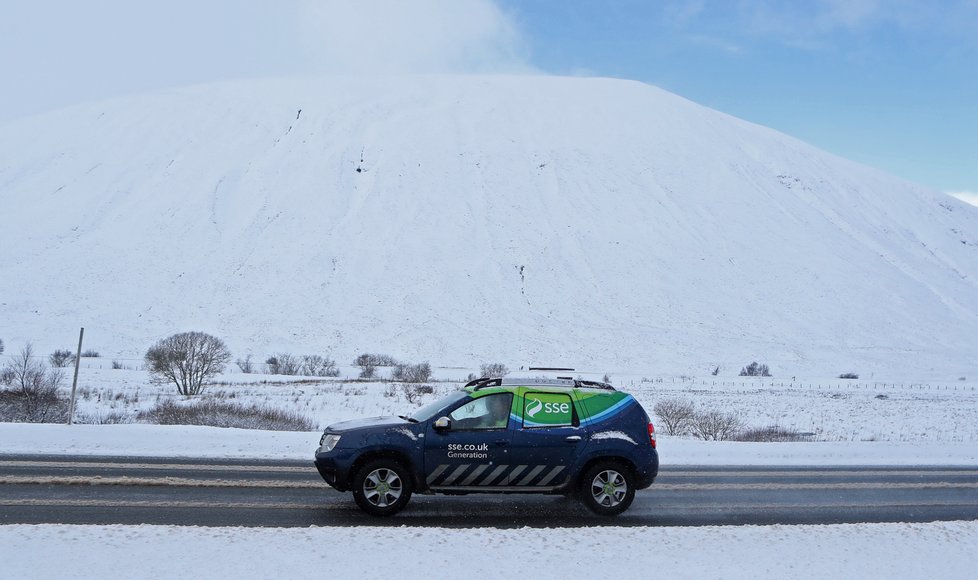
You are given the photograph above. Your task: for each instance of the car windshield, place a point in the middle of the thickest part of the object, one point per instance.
(431, 409)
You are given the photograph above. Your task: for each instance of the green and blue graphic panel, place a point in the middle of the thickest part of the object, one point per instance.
(547, 410)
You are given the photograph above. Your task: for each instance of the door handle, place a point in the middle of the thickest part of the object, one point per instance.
(573, 439)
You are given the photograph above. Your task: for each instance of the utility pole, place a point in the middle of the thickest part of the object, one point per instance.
(74, 383)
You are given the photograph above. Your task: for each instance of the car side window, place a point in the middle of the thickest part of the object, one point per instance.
(549, 410)
(489, 412)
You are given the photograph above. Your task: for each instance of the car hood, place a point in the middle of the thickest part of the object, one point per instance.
(368, 423)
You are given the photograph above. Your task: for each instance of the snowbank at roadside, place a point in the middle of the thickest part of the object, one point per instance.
(213, 442)
(929, 550)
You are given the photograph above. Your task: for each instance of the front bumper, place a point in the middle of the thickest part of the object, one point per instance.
(334, 467)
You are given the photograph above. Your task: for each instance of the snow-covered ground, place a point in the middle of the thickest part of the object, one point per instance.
(852, 422)
(943, 550)
(214, 442)
(831, 410)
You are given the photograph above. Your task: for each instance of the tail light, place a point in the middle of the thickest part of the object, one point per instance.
(652, 435)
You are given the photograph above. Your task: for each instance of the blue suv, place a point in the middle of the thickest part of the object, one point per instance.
(498, 435)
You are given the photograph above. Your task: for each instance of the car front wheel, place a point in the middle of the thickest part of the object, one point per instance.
(382, 487)
(607, 488)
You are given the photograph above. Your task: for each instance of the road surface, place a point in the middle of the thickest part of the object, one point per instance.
(113, 490)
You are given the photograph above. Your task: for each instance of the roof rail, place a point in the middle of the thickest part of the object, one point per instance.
(484, 382)
(594, 385)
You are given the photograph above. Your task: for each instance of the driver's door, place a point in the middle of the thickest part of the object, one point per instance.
(473, 450)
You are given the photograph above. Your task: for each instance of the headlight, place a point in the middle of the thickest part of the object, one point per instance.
(328, 442)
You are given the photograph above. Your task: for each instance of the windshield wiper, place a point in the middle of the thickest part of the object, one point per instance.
(408, 419)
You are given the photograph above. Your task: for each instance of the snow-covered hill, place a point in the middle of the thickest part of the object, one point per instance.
(599, 223)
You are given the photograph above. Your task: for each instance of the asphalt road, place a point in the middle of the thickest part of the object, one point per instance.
(112, 490)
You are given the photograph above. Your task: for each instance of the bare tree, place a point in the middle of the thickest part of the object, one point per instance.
(314, 365)
(187, 360)
(368, 368)
(283, 364)
(61, 358)
(34, 389)
(419, 373)
(676, 415)
(245, 364)
(1, 346)
(755, 370)
(716, 425)
(493, 370)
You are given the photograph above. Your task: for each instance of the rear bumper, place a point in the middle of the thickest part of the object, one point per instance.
(646, 473)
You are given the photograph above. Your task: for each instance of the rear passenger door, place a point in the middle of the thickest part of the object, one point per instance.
(546, 442)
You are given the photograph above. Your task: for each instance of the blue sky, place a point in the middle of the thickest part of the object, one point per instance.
(890, 83)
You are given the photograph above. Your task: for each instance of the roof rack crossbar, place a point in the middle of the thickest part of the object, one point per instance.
(594, 385)
(484, 382)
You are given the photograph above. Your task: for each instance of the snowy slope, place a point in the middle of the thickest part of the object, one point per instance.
(599, 223)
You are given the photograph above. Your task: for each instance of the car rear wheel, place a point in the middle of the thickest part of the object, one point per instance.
(607, 488)
(382, 487)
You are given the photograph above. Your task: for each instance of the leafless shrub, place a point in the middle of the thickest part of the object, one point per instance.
(187, 360)
(33, 393)
(849, 376)
(716, 425)
(381, 360)
(314, 365)
(222, 414)
(419, 373)
(493, 370)
(112, 418)
(245, 365)
(116, 365)
(1, 346)
(367, 366)
(755, 370)
(471, 377)
(413, 392)
(772, 434)
(90, 354)
(390, 391)
(283, 364)
(368, 363)
(61, 358)
(675, 415)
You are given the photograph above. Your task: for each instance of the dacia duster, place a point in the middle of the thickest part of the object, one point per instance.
(498, 435)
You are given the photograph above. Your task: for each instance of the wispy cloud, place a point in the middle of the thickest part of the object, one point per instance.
(417, 36)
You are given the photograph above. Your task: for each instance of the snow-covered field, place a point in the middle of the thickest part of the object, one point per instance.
(214, 442)
(831, 410)
(933, 550)
(851, 422)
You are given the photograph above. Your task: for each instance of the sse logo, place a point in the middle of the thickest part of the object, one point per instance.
(551, 409)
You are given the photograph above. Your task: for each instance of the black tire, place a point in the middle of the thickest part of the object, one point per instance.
(607, 488)
(382, 487)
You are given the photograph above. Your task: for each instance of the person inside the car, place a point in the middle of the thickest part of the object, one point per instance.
(497, 415)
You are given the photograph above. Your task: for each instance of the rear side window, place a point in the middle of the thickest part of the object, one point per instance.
(548, 410)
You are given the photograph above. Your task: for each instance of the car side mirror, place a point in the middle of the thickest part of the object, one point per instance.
(443, 424)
